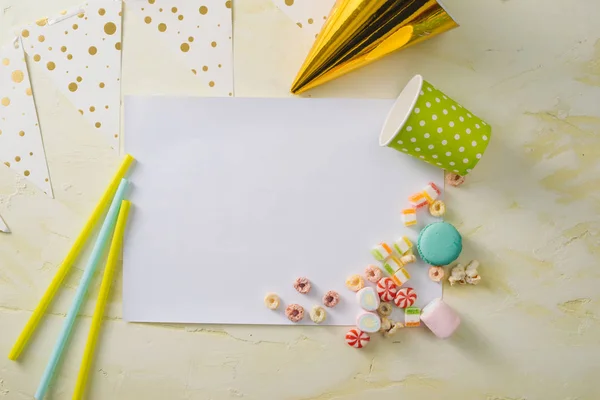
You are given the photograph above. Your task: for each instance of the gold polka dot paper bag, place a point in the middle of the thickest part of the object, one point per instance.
(21, 146)
(427, 124)
(80, 50)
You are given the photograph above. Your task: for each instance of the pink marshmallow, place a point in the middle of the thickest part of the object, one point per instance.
(440, 318)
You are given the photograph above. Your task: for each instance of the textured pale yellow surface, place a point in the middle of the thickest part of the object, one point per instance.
(529, 213)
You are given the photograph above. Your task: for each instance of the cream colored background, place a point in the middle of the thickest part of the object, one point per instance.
(529, 213)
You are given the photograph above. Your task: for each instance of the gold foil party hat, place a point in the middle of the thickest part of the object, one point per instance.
(359, 32)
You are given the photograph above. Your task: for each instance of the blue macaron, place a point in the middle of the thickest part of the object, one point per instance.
(439, 243)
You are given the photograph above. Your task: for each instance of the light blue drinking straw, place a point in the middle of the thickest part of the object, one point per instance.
(99, 247)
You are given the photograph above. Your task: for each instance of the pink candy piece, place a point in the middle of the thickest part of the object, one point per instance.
(453, 179)
(405, 297)
(373, 273)
(440, 318)
(294, 312)
(302, 285)
(386, 289)
(357, 338)
(331, 298)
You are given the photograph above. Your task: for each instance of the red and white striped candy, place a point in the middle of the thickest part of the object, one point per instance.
(405, 297)
(386, 289)
(357, 338)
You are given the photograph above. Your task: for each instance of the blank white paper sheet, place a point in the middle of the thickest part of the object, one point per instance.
(237, 197)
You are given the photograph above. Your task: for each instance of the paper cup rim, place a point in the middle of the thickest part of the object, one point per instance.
(401, 110)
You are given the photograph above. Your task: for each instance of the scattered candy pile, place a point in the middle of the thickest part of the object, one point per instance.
(438, 244)
(295, 312)
(377, 304)
(427, 197)
(391, 290)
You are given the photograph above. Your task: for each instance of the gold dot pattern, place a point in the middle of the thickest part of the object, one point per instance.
(17, 76)
(21, 147)
(110, 28)
(310, 16)
(199, 32)
(84, 62)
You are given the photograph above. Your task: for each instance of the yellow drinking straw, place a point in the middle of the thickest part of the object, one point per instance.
(64, 268)
(109, 272)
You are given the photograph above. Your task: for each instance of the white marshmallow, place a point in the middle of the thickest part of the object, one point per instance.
(368, 299)
(368, 322)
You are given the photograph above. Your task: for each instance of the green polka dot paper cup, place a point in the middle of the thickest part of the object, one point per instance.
(429, 125)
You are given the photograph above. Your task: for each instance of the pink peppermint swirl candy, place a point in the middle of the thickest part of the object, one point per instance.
(386, 289)
(405, 297)
(357, 338)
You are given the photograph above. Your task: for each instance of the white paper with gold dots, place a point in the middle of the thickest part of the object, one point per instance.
(310, 15)
(80, 49)
(21, 147)
(197, 31)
